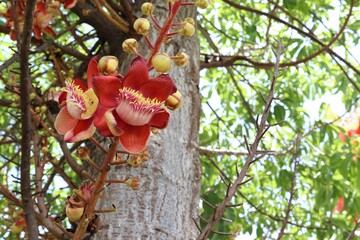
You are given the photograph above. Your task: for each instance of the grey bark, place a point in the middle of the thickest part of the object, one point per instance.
(166, 203)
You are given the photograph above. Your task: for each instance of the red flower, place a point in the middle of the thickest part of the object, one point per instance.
(79, 104)
(130, 107)
(42, 19)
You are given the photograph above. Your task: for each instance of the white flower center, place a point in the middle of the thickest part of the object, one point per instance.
(135, 109)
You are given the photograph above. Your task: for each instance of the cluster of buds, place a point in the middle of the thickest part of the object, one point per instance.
(137, 160)
(76, 203)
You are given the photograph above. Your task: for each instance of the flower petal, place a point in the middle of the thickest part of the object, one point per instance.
(137, 74)
(64, 122)
(100, 122)
(92, 70)
(80, 83)
(160, 120)
(83, 130)
(160, 87)
(107, 89)
(114, 123)
(135, 138)
(70, 3)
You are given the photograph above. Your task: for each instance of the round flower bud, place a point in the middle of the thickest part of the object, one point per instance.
(142, 26)
(161, 62)
(32, 96)
(187, 30)
(43, 108)
(202, 3)
(189, 20)
(174, 101)
(147, 9)
(74, 213)
(181, 59)
(130, 46)
(108, 64)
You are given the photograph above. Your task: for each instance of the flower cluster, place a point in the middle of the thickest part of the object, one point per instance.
(126, 107)
(44, 13)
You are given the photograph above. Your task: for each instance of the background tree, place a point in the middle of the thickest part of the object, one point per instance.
(273, 162)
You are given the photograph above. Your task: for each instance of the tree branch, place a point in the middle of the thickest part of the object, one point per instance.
(233, 188)
(25, 85)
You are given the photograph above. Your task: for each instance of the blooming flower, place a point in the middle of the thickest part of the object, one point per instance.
(42, 19)
(130, 107)
(79, 104)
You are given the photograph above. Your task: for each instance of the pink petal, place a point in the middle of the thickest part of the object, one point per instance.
(160, 120)
(137, 74)
(107, 89)
(160, 87)
(92, 70)
(135, 138)
(83, 130)
(64, 122)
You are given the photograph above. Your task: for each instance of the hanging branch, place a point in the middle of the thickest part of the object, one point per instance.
(263, 127)
(25, 85)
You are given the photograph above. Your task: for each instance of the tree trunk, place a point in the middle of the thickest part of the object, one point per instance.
(166, 203)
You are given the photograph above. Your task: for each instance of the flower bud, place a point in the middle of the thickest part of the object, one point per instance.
(82, 153)
(174, 101)
(32, 96)
(133, 183)
(202, 3)
(44, 149)
(187, 30)
(181, 59)
(161, 62)
(43, 108)
(189, 20)
(108, 64)
(147, 9)
(130, 46)
(154, 130)
(134, 161)
(142, 26)
(74, 213)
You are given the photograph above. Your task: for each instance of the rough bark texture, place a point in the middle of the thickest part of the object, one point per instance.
(166, 203)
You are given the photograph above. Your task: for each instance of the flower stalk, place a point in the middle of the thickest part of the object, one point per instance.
(95, 194)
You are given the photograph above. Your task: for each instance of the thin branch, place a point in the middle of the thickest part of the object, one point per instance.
(233, 188)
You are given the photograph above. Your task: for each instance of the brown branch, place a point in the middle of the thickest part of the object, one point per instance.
(292, 189)
(25, 85)
(234, 187)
